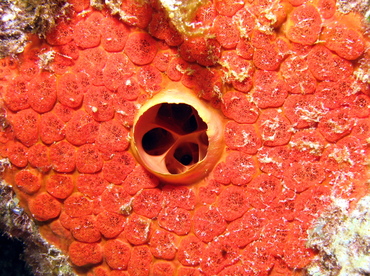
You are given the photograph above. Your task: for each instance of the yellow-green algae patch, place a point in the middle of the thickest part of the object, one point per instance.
(343, 239)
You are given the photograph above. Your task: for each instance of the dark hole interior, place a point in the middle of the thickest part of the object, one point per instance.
(190, 125)
(187, 153)
(181, 118)
(181, 112)
(176, 121)
(157, 141)
(186, 159)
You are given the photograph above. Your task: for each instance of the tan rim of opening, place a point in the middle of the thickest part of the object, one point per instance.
(177, 136)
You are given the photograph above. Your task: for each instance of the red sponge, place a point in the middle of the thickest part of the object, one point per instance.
(179, 196)
(304, 110)
(26, 126)
(346, 42)
(161, 28)
(242, 137)
(307, 145)
(245, 49)
(205, 51)
(139, 179)
(208, 223)
(78, 205)
(16, 94)
(98, 103)
(52, 129)
(44, 207)
(245, 22)
(117, 254)
(310, 203)
(275, 128)
(126, 111)
(38, 157)
(236, 106)
(336, 124)
(297, 76)
(205, 14)
(325, 65)
(110, 224)
(63, 112)
(61, 64)
(42, 93)
(162, 59)
(233, 270)
(69, 50)
(302, 175)
(79, 5)
(327, 8)
(150, 78)
(148, 203)
(115, 199)
(228, 7)
(226, 31)
(360, 106)
(91, 185)
(70, 90)
(129, 90)
(304, 25)
(82, 254)
(60, 186)
(81, 129)
(261, 39)
(334, 94)
(176, 68)
(270, 90)
(163, 269)
(118, 69)
(115, 34)
(137, 229)
(275, 234)
(206, 80)
(247, 228)
(190, 251)
(91, 59)
(112, 137)
(162, 245)
(237, 70)
(88, 159)
(238, 169)
(139, 13)
(176, 220)
(220, 253)
(346, 156)
(29, 70)
(140, 261)
(62, 157)
(91, 62)
(241, 167)
(141, 48)
(84, 229)
(208, 193)
(17, 154)
(274, 160)
(268, 57)
(87, 33)
(27, 182)
(255, 257)
(61, 34)
(232, 202)
(119, 167)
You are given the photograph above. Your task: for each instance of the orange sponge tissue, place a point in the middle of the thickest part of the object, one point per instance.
(209, 138)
